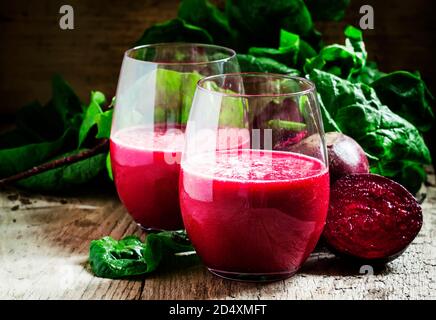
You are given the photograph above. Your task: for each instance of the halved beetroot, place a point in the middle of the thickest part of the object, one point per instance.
(371, 217)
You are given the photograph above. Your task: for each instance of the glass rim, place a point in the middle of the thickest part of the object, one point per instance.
(311, 86)
(231, 52)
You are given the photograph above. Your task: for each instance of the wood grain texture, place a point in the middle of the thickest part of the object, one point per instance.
(44, 247)
(33, 47)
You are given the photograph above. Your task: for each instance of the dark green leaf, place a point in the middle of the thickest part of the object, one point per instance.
(42, 122)
(354, 39)
(383, 133)
(175, 30)
(368, 74)
(357, 111)
(344, 61)
(46, 133)
(17, 159)
(131, 257)
(66, 103)
(287, 53)
(47, 123)
(110, 258)
(305, 52)
(328, 121)
(249, 63)
(203, 14)
(259, 22)
(16, 138)
(407, 95)
(94, 116)
(67, 176)
(299, 20)
(335, 59)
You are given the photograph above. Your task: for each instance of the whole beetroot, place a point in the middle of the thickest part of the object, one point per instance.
(345, 155)
(371, 217)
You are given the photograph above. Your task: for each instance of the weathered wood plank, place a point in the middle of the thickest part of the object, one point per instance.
(44, 246)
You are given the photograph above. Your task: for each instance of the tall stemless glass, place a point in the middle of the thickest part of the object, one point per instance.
(155, 90)
(254, 181)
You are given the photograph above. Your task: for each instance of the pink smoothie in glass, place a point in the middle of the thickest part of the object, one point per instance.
(146, 165)
(254, 212)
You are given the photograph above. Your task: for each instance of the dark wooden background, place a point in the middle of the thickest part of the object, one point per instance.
(33, 47)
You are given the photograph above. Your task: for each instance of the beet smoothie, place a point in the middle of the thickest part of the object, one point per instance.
(146, 166)
(254, 212)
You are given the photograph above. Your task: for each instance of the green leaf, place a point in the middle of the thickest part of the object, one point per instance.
(47, 123)
(305, 52)
(249, 63)
(67, 176)
(335, 59)
(109, 166)
(354, 40)
(129, 256)
(16, 159)
(407, 95)
(328, 121)
(327, 10)
(287, 53)
(232, 108)
(368, 74)
(66, 103)
(104, 124)
(41, 122)
(16, 138)
(174, 93)
(203, 14)
(259, 22)
(357, 111)
(110, 258)
(91, 113)
(95, 116)
(188, 87)
(383, 133)
(168, 98)
(175, 30)
(299, 20)
(45, 133)
(345, 61)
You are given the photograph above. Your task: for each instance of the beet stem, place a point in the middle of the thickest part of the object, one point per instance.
(99, 148)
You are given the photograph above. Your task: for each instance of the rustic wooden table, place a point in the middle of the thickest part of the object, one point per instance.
(44, 243)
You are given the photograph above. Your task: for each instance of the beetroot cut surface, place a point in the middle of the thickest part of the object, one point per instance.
(371, 217)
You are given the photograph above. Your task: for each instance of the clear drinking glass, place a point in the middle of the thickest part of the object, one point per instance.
(254, 181)
(155, 90)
